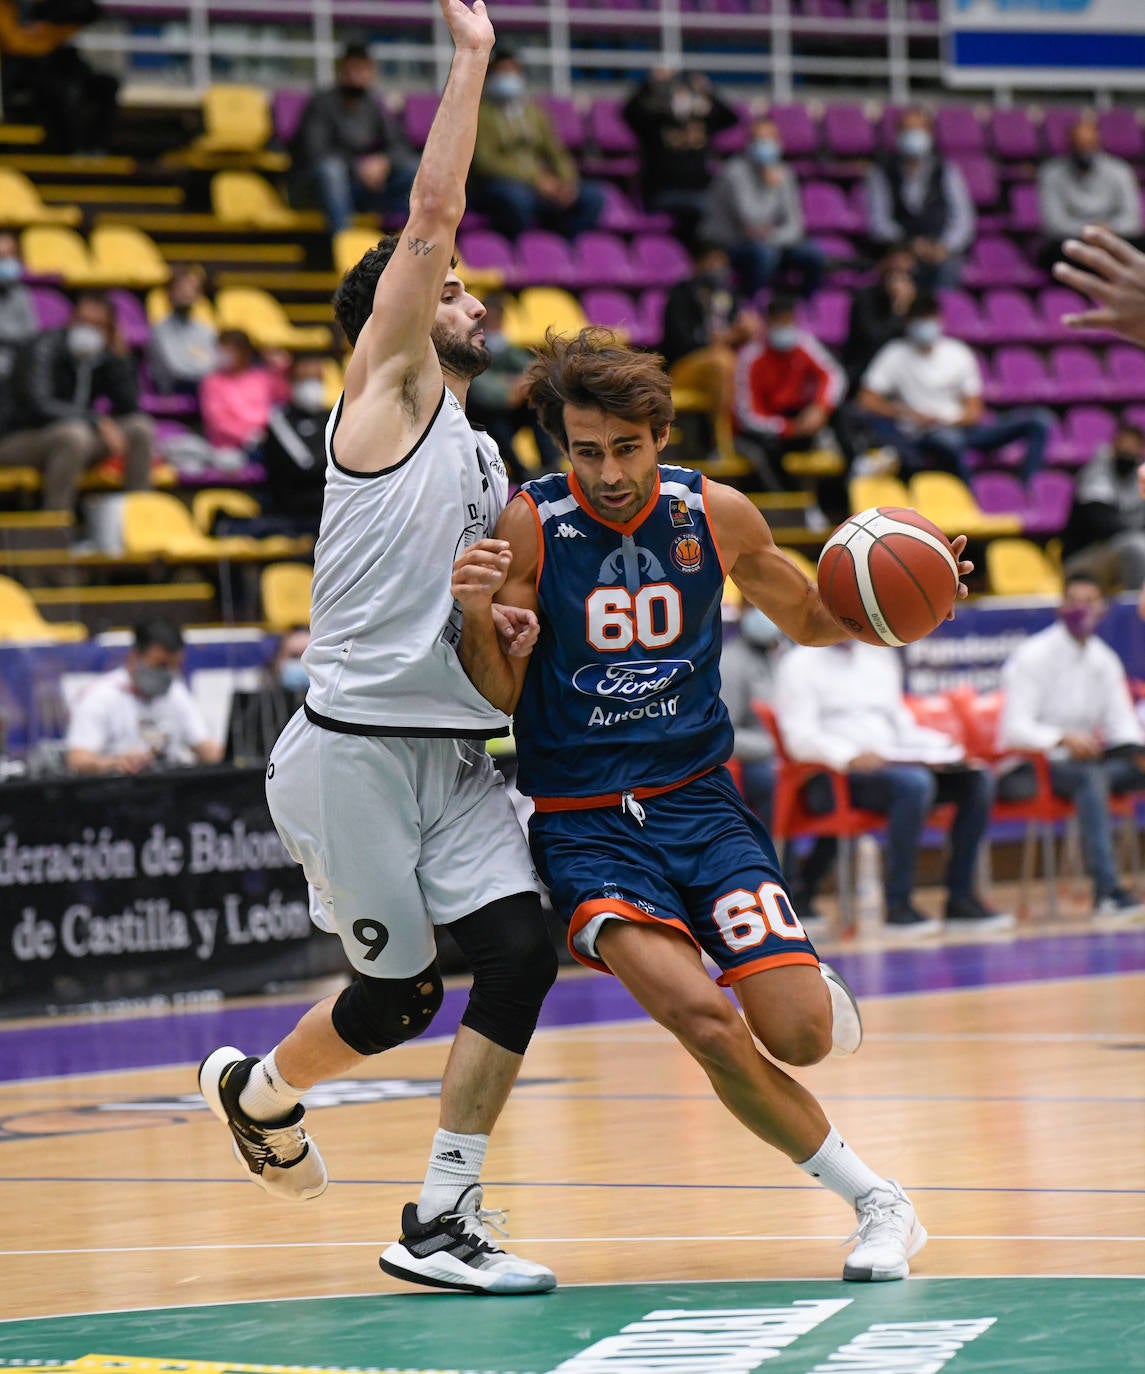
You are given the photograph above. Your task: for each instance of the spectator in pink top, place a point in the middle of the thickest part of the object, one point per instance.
(236, 399)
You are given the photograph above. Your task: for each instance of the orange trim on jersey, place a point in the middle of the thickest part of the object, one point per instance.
(629, 526)
(598, 905)
(793, 956)
(540, 533)
(614, 798)
(712, 526)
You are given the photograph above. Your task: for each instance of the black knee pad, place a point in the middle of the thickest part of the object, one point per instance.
(508, 947)
(375, 1014)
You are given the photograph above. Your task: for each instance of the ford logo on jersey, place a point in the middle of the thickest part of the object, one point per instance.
(630, 681)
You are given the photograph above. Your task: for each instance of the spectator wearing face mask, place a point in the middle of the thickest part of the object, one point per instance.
(294, 451)
(346, 149)
(183, 348)
(747, 675)
(236, 399)
(75, 398)
(523, 176)
(879, 311)
(914, 196)
(1067, 696)
(922, 395)
(1087, 186)
(753, 210)
(1105, 534)
(18, 321)
(140, 715)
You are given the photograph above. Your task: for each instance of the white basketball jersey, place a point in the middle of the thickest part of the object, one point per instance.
(384, 626)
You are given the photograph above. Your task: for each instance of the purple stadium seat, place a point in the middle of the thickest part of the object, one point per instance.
(1048, 502)
(923, 11)
(848, 132)
(1135, 415)
(486, 249)
(566, 120)
(612, 309)
(658, 260)
(999, 494)
(958, 130)
(620, 216)
(1087, 428)
(997, 262)
(981, 177)
(1018, 378)
(1025, 216)
(1077, 374)
(962, 318)
(797, 130)
(286, 111)
(734, 140)
(889, 125)
(827, 210)
(602, 260)
(608, 131)
(1053, 303)
(131, 318)
(1056, 126)
(1010, 318)
(417, 116)
(545, 259)
(1126, 373)
(53, 309)
(1013, 134)
(828, 317)
(651, 306)
(1121, 133)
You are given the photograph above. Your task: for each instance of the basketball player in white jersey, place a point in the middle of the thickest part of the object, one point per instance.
(380, 786)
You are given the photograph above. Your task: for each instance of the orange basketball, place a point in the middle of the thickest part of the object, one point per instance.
(888, 576)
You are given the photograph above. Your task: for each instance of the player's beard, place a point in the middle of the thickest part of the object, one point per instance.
(459, 355)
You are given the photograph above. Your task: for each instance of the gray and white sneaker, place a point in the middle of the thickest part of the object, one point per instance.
(846, 1023)
(1117, 906)
(889, 1233)
(455, 1250)
(278, 1155)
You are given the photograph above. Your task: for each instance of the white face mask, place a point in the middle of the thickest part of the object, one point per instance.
(924, 332)
(85, 341)
(309, 394)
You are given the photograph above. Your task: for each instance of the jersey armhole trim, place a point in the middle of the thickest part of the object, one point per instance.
(712, 527)
(385, 472)
(540, 535)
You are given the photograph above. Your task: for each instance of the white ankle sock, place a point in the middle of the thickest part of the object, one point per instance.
(267, 1095)
(454, 1164)
(839, 1168)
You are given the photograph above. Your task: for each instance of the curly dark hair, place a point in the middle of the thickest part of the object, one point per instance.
(595, 370)
(354, 298)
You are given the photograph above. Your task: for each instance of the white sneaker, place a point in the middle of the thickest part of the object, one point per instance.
(1118, 906)
(846, 1023)
(279, 1156)
(889, 1233)
(455, 1250)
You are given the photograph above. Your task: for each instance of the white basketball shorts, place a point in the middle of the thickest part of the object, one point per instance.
(395, 836)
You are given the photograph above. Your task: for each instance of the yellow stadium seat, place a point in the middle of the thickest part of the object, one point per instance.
(333, 380)
(801, 561)
(248, 200)
(159, 307)
(124, 256)
(867, 492)
(236, 119)
(21, 620)
(156, 523)
(20, 203)
(52, 251)
(950, 504)
(285, 591)
(538, 309)
(1017, 567)
(813, 463)
(258, 314)
(214, 501)
(350, 245)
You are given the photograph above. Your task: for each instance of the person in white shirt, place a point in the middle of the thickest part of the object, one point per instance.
(922, 395)
(140, 715)
(747, 675)
(1067, 696)
(843, 707)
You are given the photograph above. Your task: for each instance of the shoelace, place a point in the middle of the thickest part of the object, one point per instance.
(279, 1145)
(474, 1223)
(871, 1216)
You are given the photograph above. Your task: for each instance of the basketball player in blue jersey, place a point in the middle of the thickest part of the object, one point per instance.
(380, 786)
(647, 847)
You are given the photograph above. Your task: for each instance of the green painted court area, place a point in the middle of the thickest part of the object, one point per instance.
(923, 1326)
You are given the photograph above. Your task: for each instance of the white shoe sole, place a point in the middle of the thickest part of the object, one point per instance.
(915, 1243)
(846, 1023)
(443, 1271)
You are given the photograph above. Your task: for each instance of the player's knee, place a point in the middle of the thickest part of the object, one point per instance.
(806, 1042)
(375, 1014)
(514, 965)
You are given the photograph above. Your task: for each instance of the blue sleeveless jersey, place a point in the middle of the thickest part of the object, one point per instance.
(623, 689)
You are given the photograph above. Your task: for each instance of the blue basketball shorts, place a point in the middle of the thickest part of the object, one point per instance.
(700, 862)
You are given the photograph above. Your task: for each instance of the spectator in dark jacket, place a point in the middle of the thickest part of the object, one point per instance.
(346, 149)
(294, 452)
(60, 377)
(1105, 534)
(675, 116)
(17, 321)
(878, 311)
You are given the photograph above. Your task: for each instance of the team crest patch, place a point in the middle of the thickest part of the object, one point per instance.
(688, 553)
(679, 512)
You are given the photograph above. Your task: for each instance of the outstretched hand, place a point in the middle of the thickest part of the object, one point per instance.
(470, 27)
(965, 568)
(1115, 280)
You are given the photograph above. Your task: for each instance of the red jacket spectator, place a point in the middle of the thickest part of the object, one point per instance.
(775, 385)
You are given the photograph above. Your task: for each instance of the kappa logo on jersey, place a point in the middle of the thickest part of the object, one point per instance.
(569, 532)
(630, 681)
(680, 514)
(688, 553)
(612, 570)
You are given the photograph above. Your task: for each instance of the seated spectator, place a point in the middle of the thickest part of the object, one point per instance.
(675, 116)
(915, 196)
(236, 399)
(923, 396)
(1105, 535)
(257, 718)
(495, 395)
(789, 391)
(140, 715)
(523, 176)
(1067, 696)
(705, 321)
(294, 452)
(843, 707)
(75, 399)
(747, 675)
(18, 322)
(878, 311)
(346, 150)
(1087, 186)
(181, 349)
(753, 210)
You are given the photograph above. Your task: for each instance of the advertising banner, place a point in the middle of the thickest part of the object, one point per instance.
(1047, 43)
